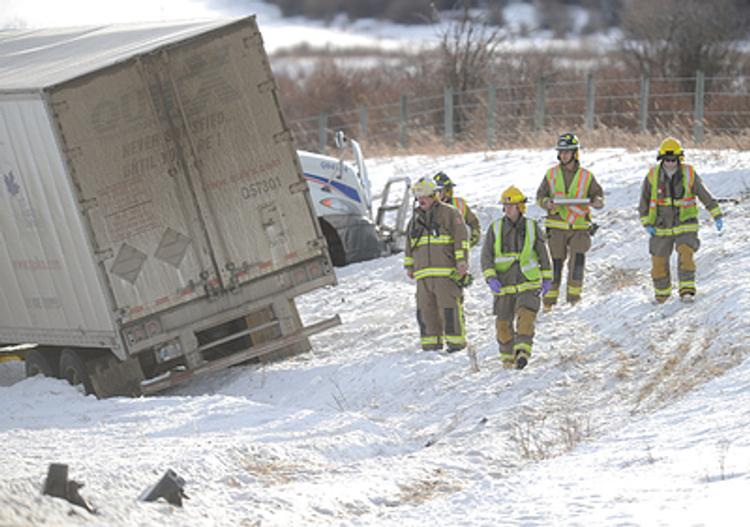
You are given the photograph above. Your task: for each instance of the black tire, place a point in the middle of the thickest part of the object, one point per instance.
(73, 369)
(41, 361)
(335, 246)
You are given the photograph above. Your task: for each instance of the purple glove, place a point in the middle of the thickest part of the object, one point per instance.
(495, 285)
(546, 286)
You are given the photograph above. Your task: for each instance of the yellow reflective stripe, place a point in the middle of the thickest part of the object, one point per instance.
(523, 346)
(443, 239)
(507, 357)
(455, 339)
(552, 294)
(564, 225)
(645, 220)
(664, 292)
(680, 229)
(687, 283)
(520, 288)
(507, 258)
(489, 273)
(430, 340)
(574, 290)
(547, 274)
(408, 261)
(460, 255)
(716, 211)
(461, 339)
(466, 244)
(434, 271)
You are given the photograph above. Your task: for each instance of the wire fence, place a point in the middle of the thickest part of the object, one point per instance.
(496, 114)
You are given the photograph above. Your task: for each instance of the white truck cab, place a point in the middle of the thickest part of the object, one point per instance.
(342, 198)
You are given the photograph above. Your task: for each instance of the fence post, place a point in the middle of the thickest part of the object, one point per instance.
(491, 109)
(589, 101)
(539, 109)
(448, 115)
(698, 122)
(362, 123)
(402, 122)
(323, 132)
(643, 118)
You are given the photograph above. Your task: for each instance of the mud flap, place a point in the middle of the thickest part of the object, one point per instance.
(110, 376)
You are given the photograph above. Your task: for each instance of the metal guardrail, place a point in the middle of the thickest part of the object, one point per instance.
(699, 104)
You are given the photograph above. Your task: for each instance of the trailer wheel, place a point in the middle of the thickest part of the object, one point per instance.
(39, 361)
(73, 369)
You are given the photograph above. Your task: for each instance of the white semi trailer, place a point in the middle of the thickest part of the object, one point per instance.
(155, 223)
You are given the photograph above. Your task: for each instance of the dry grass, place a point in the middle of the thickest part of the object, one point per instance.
(270, 472)
(427, 143)
(423, 490)
(687, 366)
(541, 437)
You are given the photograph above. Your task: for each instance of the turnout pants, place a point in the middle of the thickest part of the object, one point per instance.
(440, 314)
(661, 248)
(571, 245)
(515, 316)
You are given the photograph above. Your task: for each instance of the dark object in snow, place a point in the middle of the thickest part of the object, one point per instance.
(57, 485)
(168, 487)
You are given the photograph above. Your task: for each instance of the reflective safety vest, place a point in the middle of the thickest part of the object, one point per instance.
(527, 258)
(688, 204)
(574, 216)
(460, 204)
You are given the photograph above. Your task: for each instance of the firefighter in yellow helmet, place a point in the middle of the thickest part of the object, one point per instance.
(436, 254)
(516, 266)
(669, 212)
(445, 184)
(568, 192)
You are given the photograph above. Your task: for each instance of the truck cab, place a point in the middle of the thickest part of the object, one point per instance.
(342, 198)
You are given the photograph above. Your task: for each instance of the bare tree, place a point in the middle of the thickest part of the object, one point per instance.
(467, 51)
(674, 38)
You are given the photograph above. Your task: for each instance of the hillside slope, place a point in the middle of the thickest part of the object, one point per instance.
(628, 413)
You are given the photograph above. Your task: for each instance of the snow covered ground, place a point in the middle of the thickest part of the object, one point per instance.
(628, 414)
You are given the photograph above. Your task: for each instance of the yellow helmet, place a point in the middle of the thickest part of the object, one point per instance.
(424, 187)
(670, 147)
(513, 196)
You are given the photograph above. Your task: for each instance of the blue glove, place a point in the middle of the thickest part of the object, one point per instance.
(651, 230)
(495, 285)
(546, 286)
(719, 224)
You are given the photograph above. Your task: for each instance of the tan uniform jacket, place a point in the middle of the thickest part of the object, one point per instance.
(436, 241)
(544, 193)
(514, 235)
(470, 219)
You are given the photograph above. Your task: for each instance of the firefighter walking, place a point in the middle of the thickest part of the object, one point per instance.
(567, 192)
(669, 212)
(445, 185)
(516, 267)
(436, 254)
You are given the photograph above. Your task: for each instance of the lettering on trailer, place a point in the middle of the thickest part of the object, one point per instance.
(201, 81)
(43, 302)
(264, 186)
(20, 204)
(37, 264)
(156, 152)
(250, 173)
(129, 209)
